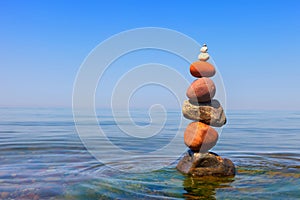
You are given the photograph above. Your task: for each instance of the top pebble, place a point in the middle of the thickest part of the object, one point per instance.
(203, 56)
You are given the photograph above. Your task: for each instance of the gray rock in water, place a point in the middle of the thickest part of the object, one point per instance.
(210, 113)
(205, 164)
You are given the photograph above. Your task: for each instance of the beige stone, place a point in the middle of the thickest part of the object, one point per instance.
(210, 113)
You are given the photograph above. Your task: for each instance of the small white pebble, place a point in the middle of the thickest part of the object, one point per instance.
(203, 56)
(204, 49)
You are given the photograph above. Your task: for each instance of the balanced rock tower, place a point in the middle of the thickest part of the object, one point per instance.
(205, 112)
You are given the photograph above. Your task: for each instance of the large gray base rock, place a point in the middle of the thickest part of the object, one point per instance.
(205, 164)
(210, 113)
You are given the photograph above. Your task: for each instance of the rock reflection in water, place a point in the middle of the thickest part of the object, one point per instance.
(204, 187)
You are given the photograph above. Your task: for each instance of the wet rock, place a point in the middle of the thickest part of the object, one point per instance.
(210, 113)
(205, 164)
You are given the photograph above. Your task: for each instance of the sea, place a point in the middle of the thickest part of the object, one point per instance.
(45, 154)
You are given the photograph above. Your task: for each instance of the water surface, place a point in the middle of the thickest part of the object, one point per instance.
(42, 157)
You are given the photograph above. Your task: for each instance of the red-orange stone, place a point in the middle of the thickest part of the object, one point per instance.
(202, 69)
(200, 137)
(201, 90)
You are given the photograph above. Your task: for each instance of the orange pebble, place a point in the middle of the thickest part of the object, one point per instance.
(200, 137)
(202, 69)
(201, 90)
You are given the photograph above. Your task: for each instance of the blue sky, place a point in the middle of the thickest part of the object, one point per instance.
(255, 45)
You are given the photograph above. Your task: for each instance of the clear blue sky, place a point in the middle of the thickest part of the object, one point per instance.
(254, 43)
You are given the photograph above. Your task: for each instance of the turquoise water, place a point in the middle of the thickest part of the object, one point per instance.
(42, 157)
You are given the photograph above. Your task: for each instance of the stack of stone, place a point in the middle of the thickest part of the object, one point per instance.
(199, 136)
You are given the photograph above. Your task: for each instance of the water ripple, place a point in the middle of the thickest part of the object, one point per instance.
(42, 157)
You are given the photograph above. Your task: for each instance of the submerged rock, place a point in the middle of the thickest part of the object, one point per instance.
(210, 113)
(205, 164)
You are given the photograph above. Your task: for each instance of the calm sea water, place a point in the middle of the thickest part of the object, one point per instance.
(42, 157)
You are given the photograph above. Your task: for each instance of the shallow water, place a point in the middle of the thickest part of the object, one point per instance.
(42, 157)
